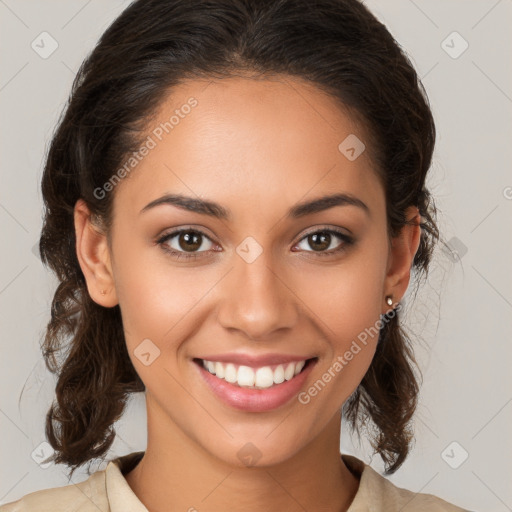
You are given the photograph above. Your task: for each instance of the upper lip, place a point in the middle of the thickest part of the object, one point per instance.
(255, 360)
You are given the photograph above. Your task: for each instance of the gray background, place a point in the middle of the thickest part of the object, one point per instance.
(461, 319)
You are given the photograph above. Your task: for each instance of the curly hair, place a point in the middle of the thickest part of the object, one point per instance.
(337, 45)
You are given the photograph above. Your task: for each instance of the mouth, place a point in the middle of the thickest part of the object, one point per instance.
(257, 378)
(254, 388)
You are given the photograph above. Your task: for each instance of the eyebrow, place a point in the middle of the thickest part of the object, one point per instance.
(212, 209)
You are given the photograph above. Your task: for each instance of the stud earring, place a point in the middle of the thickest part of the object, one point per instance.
(389, 300)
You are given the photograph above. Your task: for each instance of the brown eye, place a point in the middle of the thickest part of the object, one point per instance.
(320, 241)
(179, 243)
(323, 241)
(189, 240)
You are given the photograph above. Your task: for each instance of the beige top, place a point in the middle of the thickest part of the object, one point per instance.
(108, 491)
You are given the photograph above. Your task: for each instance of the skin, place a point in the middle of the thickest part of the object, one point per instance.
(257, 147)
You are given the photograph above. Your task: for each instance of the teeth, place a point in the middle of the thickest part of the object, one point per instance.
(245, 376)
(264, 377)
(279, 374)
(299, 366)
(218, 369)
(289, 372)
(260, 378)
(230, 373)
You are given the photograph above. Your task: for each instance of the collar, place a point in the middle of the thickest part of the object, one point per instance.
(123, 499)
(120, 495)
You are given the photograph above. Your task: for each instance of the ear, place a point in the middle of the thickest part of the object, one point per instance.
(401, 256)
(94, 257)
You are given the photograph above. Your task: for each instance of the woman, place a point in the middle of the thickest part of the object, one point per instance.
(235, 200)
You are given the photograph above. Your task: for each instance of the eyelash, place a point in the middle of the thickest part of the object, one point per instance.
(347, 241)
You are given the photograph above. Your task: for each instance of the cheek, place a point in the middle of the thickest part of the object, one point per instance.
(149, 287)
(157, 314)
(162, 304)
(347, 304)
(152, 294)
(348, 297)
(350, 323)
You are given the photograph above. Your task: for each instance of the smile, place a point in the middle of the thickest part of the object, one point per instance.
(254, 378)
(255, 388)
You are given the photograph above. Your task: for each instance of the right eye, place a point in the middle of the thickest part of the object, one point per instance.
(185, 239)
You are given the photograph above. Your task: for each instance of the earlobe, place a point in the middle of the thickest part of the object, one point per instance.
(401, 255)
(94, 257)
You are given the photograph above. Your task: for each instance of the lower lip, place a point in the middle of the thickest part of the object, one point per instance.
(256, 400)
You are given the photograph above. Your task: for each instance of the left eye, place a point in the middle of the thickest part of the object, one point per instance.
(323, 240)
(190, 241)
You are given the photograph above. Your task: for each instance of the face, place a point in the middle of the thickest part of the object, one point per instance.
(256, 281)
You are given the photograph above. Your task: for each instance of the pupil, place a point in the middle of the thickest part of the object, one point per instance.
(190, 238)
(325, 237)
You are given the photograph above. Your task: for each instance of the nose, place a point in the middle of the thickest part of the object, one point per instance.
(257, 299)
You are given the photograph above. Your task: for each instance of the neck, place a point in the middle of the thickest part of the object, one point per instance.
(177, 473)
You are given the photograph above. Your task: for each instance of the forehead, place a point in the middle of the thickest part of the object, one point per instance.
(257, 141)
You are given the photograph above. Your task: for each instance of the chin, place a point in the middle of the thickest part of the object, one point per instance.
(256, 451)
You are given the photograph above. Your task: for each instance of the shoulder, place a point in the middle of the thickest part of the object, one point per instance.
(87, 496)
(377, 493)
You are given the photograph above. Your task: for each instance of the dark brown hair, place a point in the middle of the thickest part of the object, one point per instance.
(338, 46)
